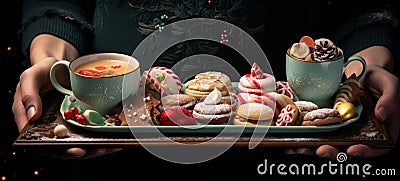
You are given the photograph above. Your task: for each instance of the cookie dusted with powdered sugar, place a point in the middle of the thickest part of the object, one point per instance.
(322, 116)
(305, 107)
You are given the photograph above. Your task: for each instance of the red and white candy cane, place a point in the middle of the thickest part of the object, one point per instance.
(164, 80)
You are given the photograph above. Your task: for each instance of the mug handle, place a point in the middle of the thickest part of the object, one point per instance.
(360, 59)
(53, 78)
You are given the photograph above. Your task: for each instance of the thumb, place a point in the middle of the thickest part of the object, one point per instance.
(387, 103)
(33, 106)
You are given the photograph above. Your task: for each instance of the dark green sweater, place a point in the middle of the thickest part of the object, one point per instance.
(113, 25)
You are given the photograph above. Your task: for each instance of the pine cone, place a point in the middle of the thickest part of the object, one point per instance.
(326, 50)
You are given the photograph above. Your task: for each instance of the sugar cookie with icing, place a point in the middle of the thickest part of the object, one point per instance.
(161, 81)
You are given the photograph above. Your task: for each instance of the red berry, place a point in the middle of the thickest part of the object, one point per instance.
(177, 116)
(68, 114)
(81, 119)
(117, 122)
(75, 111)
(116, 116)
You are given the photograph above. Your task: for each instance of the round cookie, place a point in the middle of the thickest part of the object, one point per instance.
(200, 88)
(322, 116)
(212, 114)
(217, 76)
(212, 110)
(305, 107)
(252, 114)
(183, 100)
(161, 81)
(289, 116)
(272, 99)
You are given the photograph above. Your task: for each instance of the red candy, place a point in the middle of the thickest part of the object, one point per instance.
(307, 40)
(177, 116)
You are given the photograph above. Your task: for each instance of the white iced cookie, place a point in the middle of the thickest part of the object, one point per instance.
(299, 50)
(164, 80)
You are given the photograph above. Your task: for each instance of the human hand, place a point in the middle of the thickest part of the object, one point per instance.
(34, 81)
(384, 86)
(27, 107)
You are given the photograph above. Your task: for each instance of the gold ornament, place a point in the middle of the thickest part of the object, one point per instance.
(346, 110)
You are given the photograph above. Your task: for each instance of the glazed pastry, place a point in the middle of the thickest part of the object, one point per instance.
(183, 100)
(211, 110)
(322, 116)
(251, 114)
(201, 87)
(161, 81)
(289, 116)
(305, 107)
(257, 82)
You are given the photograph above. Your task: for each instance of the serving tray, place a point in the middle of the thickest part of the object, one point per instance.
(365, 129)
(228, 128)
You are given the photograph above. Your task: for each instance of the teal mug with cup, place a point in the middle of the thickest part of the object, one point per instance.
(99, 81)
(318, 81)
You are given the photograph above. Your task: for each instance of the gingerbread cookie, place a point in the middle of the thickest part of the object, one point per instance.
(305, 107)
(322, 116)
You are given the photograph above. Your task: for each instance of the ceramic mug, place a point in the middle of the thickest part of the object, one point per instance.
(100, 87)
(318, 81)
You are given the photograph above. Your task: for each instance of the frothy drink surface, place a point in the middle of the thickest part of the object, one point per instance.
(103, 68)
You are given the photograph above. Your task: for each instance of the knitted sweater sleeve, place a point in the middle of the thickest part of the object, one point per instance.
(379, 27)
(68, 20)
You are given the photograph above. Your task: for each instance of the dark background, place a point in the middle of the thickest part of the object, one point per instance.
(22, 166)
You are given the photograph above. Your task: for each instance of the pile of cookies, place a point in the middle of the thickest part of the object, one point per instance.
(208, 98)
